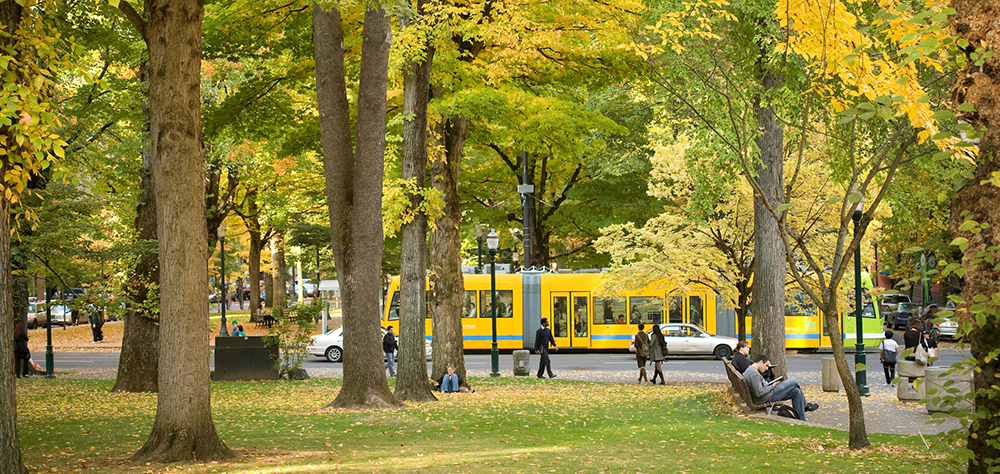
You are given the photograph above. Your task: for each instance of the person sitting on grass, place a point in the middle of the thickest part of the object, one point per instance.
(778, 389)
(450, 382)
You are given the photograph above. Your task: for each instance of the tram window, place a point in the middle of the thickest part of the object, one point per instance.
(697, 310)
(505, 303)
(609, 310)
(676, 309)
(560, 322)
(646, 309)
(469, 305)
(394, 307)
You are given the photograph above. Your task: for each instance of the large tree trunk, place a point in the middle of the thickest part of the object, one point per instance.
(411, 379)
(447, 284)
(183, 429)
(979, 201)
(279, 273)
(354, 195)
(857, 433)
(253, 226)
(768, 305)
(10, 444)
(138, 364)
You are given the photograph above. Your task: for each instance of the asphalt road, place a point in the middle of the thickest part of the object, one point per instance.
(599, 366)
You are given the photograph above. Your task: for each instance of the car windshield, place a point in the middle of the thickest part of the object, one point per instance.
(907, 307)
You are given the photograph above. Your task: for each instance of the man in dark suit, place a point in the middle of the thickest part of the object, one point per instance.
(543, 337)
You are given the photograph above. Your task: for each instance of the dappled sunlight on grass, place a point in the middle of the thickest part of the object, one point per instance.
(515, 425)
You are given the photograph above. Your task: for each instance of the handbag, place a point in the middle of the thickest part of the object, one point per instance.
(888, 357)
(921, 355)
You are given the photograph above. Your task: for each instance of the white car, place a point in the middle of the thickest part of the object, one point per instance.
(689, 339)
(331, 345)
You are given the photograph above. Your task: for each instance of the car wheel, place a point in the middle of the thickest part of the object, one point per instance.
(935, 333)
(33, 324)
(723, 352)
(334, 354)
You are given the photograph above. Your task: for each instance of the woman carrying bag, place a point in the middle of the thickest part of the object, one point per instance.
(657, 353)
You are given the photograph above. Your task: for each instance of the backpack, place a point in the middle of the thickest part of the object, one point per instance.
(785, 411)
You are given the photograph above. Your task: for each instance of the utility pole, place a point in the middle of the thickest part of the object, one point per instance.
(526, 190)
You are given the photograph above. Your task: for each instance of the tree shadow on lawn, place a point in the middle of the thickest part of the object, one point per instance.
(515, 424)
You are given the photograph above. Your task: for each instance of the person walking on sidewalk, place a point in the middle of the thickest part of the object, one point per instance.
(657, 353)
(390, 346)
(642, 351)
(888, 351)
(21, 353)
(96, 325)
(543, 337)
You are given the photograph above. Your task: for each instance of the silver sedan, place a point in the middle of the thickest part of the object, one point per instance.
(689, 339)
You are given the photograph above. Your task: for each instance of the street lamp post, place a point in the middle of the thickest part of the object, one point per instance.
(480, 233)
(492, 241)
(50, 371)
(861, 374)
(223, 301)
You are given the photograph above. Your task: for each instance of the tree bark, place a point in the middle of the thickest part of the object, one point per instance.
(10, 444)
(411, 379)
(253, 228)
(768, 305)
(446, 281)
(979, 201)
(183, 429)
(138, 364)
(279, 273)
(857, 432)
(354, 195)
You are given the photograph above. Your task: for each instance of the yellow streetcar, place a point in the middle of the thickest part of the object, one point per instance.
(580, 318)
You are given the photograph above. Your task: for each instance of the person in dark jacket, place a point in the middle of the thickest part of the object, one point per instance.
(657, 353)
(96, 325)
(389, 346)
(911, 338)
(21, 353)
(741, 359)
(543, 337)
(642, 351)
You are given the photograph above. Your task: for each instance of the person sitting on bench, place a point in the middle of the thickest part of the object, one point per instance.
(778, 389)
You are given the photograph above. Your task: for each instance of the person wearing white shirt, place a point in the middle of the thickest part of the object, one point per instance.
(888, 353)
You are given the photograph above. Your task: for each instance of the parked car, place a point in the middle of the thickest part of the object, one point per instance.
(901, 314)
(36, 317)
(689, 339)
(331, 345)
(61, 315)
(888, 302)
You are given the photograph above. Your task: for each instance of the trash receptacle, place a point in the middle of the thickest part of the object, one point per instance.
(521, 363)
(831, 378)
(245, 358)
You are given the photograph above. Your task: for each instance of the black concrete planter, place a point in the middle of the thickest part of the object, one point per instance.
(244, 358)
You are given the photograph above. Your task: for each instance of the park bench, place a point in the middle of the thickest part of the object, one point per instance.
(742, 390)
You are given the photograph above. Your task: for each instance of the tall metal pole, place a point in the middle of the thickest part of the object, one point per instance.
(526, 189)
(861, 374)
(494, 352)
(480, 233)
(223, 302)
(50, 371)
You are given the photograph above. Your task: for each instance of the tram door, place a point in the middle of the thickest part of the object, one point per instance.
(571, 319)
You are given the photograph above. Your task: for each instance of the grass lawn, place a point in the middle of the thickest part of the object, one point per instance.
(509, 425)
